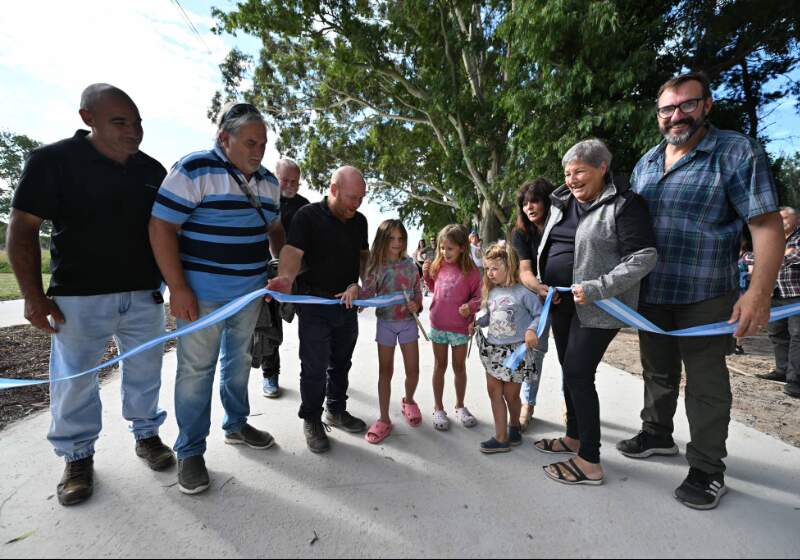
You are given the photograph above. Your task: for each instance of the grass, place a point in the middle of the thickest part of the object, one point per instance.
(8, 283)
(9, 288)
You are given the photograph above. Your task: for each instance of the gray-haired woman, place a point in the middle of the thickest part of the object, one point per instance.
(598, 240)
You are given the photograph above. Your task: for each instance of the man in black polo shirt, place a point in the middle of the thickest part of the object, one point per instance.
(97, 188)
(331, 236)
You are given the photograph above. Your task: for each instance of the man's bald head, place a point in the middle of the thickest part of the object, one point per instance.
(347, 192)
(93, 95)
(114, 120)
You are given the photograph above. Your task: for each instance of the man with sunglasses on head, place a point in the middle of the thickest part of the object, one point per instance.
(215, 219)
(702, 186)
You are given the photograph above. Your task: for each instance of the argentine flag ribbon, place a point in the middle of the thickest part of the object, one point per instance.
(633, 319)
(220, 314)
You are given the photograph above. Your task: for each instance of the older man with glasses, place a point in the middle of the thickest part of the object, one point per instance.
(215, 218)
(702, 186)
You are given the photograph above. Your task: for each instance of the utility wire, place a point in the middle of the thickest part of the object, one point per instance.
(191, 25)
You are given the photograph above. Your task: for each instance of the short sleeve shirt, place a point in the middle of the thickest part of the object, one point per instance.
(699, 209)
(100, 211)
(332, 248)
(289, 206)
(223, 244)
(526, 246)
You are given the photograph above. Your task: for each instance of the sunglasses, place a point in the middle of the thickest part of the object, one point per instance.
(237, 111)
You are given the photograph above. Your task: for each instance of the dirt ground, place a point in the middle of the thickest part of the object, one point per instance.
(24, 353)
(757, 403)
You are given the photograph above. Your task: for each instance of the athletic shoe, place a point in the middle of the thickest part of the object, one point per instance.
(701, 490)
(493, 446)
(193, 475)
(316, 438)
(270, 387)
(644, 445)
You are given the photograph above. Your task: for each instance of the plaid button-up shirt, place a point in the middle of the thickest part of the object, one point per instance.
(699, 208)
(788, 285)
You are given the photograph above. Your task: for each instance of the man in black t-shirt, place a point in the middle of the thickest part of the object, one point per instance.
(97, 188)
(331, 238)
(269, 329)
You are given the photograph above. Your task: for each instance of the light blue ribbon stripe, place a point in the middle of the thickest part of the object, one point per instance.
(625, 314)
(227, 310)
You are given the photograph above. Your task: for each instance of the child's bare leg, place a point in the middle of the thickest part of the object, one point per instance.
(460, 371)
(385, 372)
(410, 353)
(439, 367)
(499, 411)
(514, 403)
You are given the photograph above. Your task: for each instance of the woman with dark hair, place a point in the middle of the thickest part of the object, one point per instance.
(533, 206)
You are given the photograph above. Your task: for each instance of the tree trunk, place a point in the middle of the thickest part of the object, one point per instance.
(490, 228)
(750, 98)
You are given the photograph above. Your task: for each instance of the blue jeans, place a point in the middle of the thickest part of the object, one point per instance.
(328, 335)
(531, 389)
(131, 318)
(228, 341)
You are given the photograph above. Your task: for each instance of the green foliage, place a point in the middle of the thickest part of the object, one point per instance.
(786, 170)
(448, 105)
(14, 148)
(5, 266)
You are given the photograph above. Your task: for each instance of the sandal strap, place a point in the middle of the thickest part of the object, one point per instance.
(565, 446)
(573, 470)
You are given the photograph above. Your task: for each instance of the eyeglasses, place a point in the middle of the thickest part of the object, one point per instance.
(237, 111)
(686, 107)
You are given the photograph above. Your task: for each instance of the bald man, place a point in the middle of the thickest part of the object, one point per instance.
(97, 188)
(331, 237)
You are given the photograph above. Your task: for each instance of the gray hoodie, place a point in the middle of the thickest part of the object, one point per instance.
(614, 250)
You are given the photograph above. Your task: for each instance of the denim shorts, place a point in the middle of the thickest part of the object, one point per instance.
(390, 333)
(448, 338)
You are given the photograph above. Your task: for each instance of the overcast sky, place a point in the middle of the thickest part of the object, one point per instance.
(50, 50)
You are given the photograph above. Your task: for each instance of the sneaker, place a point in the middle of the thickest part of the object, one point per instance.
(493, 446)
(346, 421)
(514, 436)
(192, 475)
(249, 436)
(316, 438)
(701, 490)
(270, 387)
(158, 456)
(773, 376)
(792, 389)
(77, 482)
(465, 416)
(644, 445)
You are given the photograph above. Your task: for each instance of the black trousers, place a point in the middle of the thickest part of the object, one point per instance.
(328, 335)
(580, 350)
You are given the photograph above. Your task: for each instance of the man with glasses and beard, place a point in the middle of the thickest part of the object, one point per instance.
(702, 186)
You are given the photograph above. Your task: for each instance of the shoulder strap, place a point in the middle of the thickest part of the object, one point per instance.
(251, 198)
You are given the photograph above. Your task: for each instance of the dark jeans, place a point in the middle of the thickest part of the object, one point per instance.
(708, 386)
(785, 337)
(328, 335)
(580, 350)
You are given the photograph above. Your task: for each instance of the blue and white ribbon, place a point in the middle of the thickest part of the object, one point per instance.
(625, 314)
(217, 316)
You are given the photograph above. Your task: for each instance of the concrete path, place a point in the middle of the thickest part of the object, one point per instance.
(12, 313)
(420, 494)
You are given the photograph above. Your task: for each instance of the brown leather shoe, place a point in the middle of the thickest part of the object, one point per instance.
(157, 455)
(77, 484)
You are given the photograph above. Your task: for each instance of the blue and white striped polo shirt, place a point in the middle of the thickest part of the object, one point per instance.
(224, 246)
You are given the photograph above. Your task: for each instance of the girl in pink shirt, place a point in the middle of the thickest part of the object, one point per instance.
(456, 286)
(389, 271)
